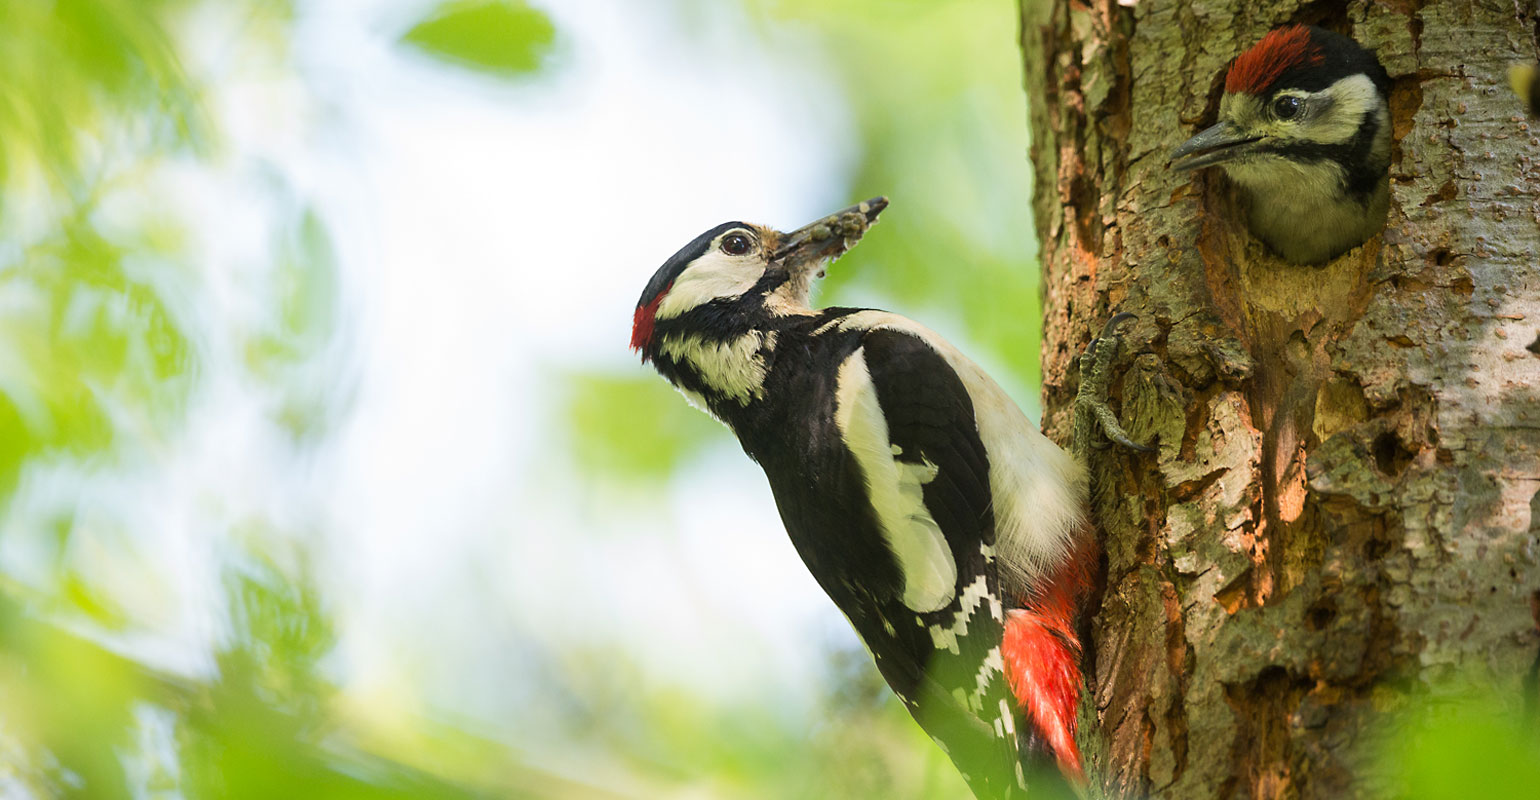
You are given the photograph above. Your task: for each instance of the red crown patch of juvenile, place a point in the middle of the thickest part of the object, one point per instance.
(1257, 68)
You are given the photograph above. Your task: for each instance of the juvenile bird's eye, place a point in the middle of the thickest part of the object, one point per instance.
(735, 244)
(1286, 107)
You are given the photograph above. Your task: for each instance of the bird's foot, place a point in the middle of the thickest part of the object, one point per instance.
(1091, 409)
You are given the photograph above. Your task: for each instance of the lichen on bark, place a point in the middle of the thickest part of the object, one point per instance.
(1340, 517)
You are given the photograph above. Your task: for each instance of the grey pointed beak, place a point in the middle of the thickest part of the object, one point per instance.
(829, 237)
(1213, 145)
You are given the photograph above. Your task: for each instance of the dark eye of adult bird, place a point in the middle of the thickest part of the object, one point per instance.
(940, 521)
(1315, 184)
(735, 244)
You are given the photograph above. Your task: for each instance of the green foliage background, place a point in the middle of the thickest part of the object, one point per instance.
(101, 350)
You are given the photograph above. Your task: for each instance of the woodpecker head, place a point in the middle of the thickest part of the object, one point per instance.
(1304, 128)
(1302, 100)
(738, 269)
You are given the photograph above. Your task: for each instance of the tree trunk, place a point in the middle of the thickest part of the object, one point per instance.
(1342, 512)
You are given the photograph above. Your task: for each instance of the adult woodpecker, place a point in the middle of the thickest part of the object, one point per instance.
(1304, 129)
(943, 524)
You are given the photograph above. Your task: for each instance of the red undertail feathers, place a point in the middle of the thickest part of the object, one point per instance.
(1041, 651)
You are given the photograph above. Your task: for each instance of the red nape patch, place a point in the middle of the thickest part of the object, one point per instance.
(641, 323)
(1256, 69)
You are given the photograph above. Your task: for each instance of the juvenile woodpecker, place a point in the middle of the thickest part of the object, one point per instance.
(1523, 79)
(1304, 129)
(943, 524)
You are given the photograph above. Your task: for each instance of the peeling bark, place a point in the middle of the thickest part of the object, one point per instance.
(1341, 515)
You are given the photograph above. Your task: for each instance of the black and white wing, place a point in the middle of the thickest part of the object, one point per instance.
(908, 420)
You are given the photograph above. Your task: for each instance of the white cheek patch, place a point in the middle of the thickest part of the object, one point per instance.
(1351, 99)
(736, 367)
(897, 492)
(713, 275)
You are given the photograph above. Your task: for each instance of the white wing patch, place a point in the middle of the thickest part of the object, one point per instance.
(992, 668)
(736, 368)
(973, 595)
(896, 489)
(1038, 489)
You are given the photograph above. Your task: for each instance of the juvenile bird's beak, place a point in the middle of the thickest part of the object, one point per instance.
(827, 238)
(1213, 145)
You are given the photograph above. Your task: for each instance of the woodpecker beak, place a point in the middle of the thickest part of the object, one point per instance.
(1214, 145)
(827, 238)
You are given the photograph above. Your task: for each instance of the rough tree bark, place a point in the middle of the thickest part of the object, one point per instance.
(1343, 510)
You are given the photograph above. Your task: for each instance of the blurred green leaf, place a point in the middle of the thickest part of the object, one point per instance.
(305, 298)
(258, 729)
(85, 347)
(82, 596)
(263, 730)
(505, 38)
(279, 626)
(634, 426)
(70, 702)
(88, 345)
(305, 288)
(1468, 748)
(866, 745)
(71, 67)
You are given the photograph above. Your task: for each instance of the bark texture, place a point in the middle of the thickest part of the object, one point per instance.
(1344, 510)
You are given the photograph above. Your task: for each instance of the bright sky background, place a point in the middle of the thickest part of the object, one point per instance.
(487, 238)
(511, 230)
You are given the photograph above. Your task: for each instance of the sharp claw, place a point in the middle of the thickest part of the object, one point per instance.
(1111, 328)
(1109, 335)
(1111, 428)
(1122, 439)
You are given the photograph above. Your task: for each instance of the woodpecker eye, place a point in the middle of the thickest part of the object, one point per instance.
(736, 244)
(1286, 107)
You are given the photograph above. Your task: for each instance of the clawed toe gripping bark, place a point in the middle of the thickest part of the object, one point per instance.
(1091, 409)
